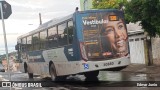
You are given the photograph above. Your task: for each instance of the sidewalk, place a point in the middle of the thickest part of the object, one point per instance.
(142, 68)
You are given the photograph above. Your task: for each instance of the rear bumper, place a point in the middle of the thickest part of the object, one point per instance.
(105, 64)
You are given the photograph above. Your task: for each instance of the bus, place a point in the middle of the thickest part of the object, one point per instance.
(84, 42)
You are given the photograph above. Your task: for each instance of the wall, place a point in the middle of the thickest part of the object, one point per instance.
(156, 50)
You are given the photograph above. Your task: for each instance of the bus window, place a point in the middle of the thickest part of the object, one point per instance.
(29, 43)
(43, 39)
(62, 34)
(17, 47)
(23, 46)
(35, 41)
(70, 32)
(52, 37)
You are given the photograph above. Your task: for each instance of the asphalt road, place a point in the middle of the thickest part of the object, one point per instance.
(106, 80)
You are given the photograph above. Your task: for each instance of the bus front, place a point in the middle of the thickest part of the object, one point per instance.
(103, 39)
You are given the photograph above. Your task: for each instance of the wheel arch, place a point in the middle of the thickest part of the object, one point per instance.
(50, 63)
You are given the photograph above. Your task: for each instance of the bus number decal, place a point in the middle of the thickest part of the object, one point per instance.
(109, 64)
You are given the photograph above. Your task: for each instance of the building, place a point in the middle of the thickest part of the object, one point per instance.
(85, 4)
(13, 65)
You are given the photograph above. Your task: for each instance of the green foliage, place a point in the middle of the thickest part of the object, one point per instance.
(146, 11)
(69, 31)
(108, 4)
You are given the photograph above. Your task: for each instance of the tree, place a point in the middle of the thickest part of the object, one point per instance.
(108, 4)
(146, 11)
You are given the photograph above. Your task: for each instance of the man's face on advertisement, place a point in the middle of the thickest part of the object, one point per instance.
(115, 32)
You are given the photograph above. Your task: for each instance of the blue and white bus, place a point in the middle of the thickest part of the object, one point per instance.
(84, 42)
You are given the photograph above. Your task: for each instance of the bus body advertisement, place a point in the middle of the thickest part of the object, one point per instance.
(84, 42)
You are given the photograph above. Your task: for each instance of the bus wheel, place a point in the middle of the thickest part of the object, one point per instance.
(30, 75)
(61, 78)
(91, 74)
(25, 67)
(52, 71)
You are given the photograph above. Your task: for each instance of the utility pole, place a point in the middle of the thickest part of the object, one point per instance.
(85, 4)
(40, 20)
(5, 38)
(5, 13)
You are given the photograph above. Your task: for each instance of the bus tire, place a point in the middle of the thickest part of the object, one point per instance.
(30, 75)
(91, 74)
(52, 71)
(25, 67)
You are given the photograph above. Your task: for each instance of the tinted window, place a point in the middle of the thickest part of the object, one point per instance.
(29, 43)
(62, 34)
(70, 32)
(23, 46)
(43, 39)
(35, 41)
(52, 37)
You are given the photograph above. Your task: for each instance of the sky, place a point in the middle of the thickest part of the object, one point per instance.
(25, 17)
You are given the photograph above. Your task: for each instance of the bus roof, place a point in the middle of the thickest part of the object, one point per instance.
(48, 25)
(99, 10)
(59, 20)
